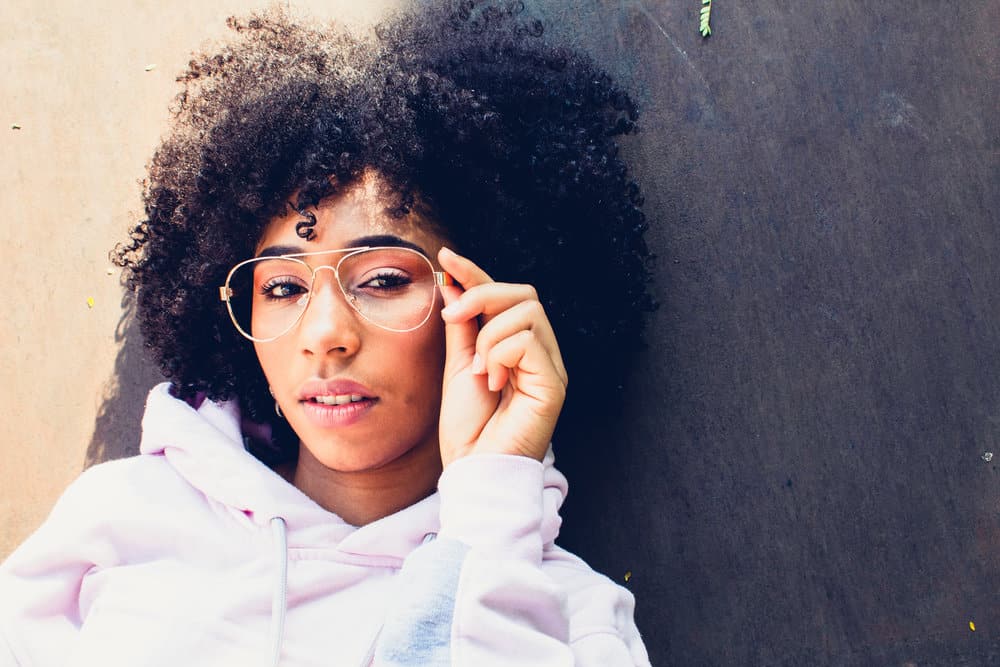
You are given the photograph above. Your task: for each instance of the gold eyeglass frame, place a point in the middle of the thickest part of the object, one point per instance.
(441, 278)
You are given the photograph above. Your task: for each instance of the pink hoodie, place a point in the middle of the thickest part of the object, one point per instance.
(195, 553)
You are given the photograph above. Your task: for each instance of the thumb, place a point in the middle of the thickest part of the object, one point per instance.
(459, 337)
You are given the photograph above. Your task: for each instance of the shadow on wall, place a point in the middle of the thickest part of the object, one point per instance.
(118, 425)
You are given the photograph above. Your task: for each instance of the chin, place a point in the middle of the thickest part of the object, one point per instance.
(347, 459)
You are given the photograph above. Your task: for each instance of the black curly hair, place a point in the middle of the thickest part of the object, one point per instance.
(464, 108)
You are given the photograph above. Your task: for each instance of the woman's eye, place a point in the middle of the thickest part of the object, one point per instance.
(386, 281)
(281, 290)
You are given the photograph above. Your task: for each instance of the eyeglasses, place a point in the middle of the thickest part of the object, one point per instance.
(391, 287)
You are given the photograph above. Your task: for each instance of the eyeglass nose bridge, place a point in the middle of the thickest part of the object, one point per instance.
(350, 299)
(315, 272)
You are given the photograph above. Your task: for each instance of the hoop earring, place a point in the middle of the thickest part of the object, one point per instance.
(277, 408)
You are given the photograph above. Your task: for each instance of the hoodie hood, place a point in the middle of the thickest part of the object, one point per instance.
(204, 445)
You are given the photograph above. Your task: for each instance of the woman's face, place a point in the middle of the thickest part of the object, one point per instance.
(334, 353)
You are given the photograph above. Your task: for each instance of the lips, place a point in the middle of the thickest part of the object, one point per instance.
(335, 403)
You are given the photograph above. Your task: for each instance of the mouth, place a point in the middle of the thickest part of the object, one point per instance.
(334, 392)
(337, 410)
(336, 402)
(338, 399)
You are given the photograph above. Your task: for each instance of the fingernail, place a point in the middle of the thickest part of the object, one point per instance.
(477, 364)
(450, 309)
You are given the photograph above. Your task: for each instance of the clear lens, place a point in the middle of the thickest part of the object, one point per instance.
(392, 288)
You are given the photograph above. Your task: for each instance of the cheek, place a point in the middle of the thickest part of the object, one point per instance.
(424, 368)
(271, 356)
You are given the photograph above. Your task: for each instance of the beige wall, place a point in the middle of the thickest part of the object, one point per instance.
(89, 89)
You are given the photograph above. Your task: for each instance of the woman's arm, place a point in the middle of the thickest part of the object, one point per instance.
(40, 582)
(480, 593)
(485, 592)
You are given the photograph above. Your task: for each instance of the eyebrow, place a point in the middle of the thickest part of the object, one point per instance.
(377, 240)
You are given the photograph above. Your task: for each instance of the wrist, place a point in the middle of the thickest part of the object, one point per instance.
(494, 502)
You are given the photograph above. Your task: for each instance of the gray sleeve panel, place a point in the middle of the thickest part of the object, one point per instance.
(418, 624)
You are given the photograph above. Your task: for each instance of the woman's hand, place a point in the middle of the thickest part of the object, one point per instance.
(504, 383)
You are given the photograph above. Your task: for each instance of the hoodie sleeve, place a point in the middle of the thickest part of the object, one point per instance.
(479, 594)
(40, 582)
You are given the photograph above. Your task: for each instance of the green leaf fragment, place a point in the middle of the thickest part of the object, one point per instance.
(706, 14)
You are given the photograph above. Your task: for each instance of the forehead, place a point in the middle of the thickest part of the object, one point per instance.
(358, 211)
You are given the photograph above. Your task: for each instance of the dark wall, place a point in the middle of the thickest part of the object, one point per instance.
(803, 474)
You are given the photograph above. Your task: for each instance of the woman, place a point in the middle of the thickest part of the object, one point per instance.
(309, 489)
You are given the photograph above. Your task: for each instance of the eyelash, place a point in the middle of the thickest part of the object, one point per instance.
(396, 280)
(267, 289)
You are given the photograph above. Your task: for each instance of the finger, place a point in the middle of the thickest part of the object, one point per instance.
(488, 299)
(534, 374)
(462, 269)
(459, 336)
(527, 315)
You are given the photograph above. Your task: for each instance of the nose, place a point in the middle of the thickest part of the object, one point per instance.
(329, 324)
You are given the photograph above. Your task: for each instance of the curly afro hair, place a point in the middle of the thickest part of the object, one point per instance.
(511, 141)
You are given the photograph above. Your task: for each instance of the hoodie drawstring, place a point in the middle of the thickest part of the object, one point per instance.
(279, 602)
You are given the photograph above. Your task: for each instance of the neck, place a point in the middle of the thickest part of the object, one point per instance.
(363, 496)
